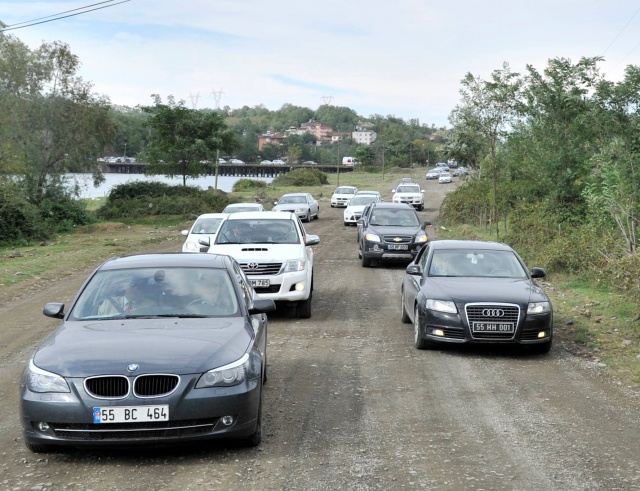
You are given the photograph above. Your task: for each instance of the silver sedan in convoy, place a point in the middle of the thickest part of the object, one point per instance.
(304, 205)
(155, 349)
(468, 291)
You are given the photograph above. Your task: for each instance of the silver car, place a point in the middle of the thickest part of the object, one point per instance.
(155, 349)
(303, 205)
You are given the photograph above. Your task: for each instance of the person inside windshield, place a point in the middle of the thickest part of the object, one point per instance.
(137, 295)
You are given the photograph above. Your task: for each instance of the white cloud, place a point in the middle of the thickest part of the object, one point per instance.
(404, 58)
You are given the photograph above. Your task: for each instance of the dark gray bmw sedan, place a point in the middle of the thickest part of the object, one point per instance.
(155, 349)
(466, 291)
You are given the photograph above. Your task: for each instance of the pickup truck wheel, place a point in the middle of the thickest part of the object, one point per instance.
(303, 309)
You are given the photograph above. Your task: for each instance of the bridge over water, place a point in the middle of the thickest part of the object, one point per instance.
(234, 170)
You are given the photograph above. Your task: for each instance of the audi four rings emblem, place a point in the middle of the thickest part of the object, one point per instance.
(493, 313)
(252, 265)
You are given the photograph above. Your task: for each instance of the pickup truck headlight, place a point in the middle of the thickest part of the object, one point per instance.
(372, 238)
(192, 246)
(421, 238)
(441, 305)
(39, 380)
(539, 308)
(293, 265)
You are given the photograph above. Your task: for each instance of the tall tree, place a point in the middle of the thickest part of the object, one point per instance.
(182, 140)
(50, 117)
(490, 107)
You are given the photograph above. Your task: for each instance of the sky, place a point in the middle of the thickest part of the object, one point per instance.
(402, 58)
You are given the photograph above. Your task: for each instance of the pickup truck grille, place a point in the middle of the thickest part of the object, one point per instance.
(255, 268)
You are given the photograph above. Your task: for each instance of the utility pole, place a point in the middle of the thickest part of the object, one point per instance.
(338, 164)
(194, 99)
(215, 182)
(217, 95)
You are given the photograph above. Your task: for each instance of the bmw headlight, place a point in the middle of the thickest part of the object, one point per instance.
(232, 374)
(441, 305)
(421, 238)
(372, 237)
(192, 247)
(293, 265)
(38, 380)
(539, 308)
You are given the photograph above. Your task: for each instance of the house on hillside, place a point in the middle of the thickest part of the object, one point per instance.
(270, 138)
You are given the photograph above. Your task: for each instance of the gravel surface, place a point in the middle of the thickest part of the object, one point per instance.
(351, 405)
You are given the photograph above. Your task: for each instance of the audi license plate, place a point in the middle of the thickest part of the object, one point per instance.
(398, 247)
(130, 414)
(493, 327)
(259, 283)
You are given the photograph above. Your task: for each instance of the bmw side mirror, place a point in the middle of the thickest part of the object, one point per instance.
(426, 224)
(538, 273)
(54, 309)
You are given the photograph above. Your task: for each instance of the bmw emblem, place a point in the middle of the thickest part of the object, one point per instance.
(133, 367)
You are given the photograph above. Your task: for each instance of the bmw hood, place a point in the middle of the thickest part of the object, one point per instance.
(181, 346)
(504, 290)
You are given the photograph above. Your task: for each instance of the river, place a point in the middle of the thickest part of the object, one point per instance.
(88, 191)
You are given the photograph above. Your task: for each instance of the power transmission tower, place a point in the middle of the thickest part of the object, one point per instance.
(217, 95)
(327, 99)
(194, 99)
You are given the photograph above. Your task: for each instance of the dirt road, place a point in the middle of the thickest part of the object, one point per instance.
(351, 405)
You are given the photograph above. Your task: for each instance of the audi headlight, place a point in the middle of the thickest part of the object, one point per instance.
(300, 210)
(539, 308)
(232, 374)
(372, 238)
(192, 247)
(293, 265)
(441, 305)
(39, 380)
(421, 238)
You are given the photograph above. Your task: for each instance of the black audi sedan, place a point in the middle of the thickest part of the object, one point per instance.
(464, 291)
(155, 349)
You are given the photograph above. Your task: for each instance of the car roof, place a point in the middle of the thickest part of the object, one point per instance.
(239, 205)
(262, 215)
(386, 204)
(212, 215)
(350, 187)
(167, 260)
(469, 244)
(295, 194)
(368, 192)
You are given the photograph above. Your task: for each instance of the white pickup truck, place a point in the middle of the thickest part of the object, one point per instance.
(410, 194)
(273, 249)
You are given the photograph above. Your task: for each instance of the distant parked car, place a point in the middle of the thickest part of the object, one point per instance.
(236, 161)
(278, 162)
(309, 162)
(266, 162)
(239, 207)
(205, 226)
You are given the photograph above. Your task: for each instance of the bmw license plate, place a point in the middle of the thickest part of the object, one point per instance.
(259, 283)
(398, 247)
(493, 327)
(130, 414)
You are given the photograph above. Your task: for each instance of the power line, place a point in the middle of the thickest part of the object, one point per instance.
(621, 31)
(60, 15)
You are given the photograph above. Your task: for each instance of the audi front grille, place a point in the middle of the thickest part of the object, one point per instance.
(493, 313)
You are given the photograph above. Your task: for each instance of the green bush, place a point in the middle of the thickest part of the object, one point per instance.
(247, 185)
(140, 199)
(20, 221)
(301, 177)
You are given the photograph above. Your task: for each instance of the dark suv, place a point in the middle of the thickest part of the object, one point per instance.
(390, 231)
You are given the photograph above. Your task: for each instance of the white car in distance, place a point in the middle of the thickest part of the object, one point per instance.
(353, 211)
(410, 194)
(273, 249)
(205, 227)
(342, 195)
(444, 178)
(238, 207)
